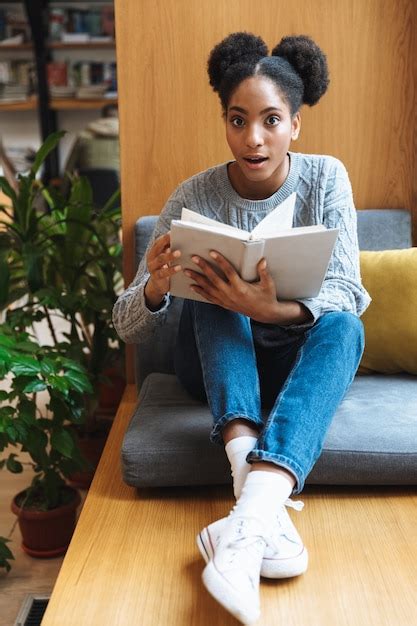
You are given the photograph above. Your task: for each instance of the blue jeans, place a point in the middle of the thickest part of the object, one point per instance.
(299, 383)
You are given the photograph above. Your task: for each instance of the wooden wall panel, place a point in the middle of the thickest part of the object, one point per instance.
(171, 124)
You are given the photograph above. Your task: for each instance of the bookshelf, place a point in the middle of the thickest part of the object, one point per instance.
(86, 62)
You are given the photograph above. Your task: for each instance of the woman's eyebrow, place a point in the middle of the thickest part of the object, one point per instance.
(267, 110)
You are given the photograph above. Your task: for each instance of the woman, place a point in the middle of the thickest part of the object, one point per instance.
(273, 372)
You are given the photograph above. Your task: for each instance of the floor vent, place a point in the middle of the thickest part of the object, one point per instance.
(32, 611)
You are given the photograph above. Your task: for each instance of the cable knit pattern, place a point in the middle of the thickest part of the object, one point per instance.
(324, 196)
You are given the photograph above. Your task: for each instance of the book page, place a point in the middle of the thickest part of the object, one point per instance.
(278, 219)
(192, 216)
(296, 230)
(215, 227)
(298, 263)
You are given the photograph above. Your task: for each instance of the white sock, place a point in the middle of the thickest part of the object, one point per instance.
(237, 450)
(261, 496)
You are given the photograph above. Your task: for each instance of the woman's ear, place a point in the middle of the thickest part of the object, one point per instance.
(295, 126)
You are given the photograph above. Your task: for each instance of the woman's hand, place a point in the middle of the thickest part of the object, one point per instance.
(256, 300)
(161, 266)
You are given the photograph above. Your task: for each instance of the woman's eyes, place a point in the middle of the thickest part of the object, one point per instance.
(239, 122)
(273, 120)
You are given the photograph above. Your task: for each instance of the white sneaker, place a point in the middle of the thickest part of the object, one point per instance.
(233, 571)
(285, 555)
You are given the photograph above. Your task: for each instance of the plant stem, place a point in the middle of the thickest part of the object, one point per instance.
(51, 328)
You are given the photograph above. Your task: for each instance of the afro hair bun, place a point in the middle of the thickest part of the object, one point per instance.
(309, 62)
(235, 48)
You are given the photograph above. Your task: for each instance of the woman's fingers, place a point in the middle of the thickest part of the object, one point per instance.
(265, 277)
(225, 265)
(207, 269)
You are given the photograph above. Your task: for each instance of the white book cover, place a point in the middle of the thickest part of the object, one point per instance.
(297, 257)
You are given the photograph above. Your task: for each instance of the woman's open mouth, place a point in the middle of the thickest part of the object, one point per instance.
(255, 163)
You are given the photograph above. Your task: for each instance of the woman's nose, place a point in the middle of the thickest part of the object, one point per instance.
(254, 136)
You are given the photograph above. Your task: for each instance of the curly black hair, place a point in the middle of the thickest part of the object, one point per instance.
(297, 66)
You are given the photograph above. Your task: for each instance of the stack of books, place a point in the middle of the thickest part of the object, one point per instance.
(82, 25)
(84, 79)
(17, 80)
(12, 92)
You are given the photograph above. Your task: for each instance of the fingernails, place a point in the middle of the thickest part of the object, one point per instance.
(187, 273)
(213, 255)
(262, 264)
(195, 259)
(177, 268)
(176, 253)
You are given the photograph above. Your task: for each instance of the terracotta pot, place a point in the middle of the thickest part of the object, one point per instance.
(91, 446)
(110, 394)
(47, 533)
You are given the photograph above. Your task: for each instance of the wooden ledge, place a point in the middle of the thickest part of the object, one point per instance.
(133, 558)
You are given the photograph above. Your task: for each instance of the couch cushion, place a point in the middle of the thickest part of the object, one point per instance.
(372, 439)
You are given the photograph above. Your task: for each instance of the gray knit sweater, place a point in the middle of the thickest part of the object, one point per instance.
(324, 196)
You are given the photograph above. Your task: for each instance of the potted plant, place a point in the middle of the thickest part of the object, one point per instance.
(63, 257)
(46, 509)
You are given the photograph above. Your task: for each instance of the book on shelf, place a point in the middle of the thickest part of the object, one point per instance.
(14, 27)
(297, 257)
(81, 25)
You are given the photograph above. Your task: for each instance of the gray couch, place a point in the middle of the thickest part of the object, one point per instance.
(372, 439)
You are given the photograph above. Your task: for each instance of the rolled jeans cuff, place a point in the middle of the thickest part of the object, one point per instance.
(281, 461)
(216, 436)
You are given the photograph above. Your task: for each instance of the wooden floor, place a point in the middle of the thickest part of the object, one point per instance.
(133, 558)
(28, 575)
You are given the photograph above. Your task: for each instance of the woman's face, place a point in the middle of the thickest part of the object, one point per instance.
(259, 131)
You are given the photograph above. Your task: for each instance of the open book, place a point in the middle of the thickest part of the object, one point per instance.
(297, 257)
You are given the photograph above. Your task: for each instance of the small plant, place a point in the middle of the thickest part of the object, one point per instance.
(47, 437)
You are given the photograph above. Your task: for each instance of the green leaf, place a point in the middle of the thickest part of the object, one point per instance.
(49, 144)
(36, 444)
(6, 342)
(62, 441)
(11, 432)
(49, 366)
(15, 467)
(35, 386)
(108, 208)
(3, 395)
(5, 554)
(25, 365)
(58, 383)
(79, 382)
(7, 189)
(69, 364)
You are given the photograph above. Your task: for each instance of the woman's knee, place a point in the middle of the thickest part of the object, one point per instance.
(346, 328)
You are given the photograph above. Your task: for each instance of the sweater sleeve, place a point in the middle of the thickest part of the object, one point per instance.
(132, 319)
(342, 288)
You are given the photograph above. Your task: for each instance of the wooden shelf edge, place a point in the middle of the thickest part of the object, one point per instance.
(65, 104)
(59, 104)
(61, 45)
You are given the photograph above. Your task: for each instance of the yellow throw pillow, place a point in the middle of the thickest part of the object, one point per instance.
(390, 277)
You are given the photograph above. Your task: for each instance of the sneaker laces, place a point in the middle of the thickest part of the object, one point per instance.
(284, 523)
(297, 505)
(245, 537)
